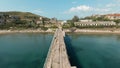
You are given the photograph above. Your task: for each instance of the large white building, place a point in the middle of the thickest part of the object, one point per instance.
(97, 23)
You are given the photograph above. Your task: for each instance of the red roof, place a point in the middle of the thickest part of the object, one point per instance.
(113, 14)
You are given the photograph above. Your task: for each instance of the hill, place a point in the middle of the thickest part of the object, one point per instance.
(22, 15)
(24, 20)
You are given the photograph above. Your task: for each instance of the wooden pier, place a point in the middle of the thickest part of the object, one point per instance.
(57, 56)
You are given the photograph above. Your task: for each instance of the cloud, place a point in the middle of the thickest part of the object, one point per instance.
(80, 8)
(111, 5)
(101, 9)
(85, 8)
(38, 11)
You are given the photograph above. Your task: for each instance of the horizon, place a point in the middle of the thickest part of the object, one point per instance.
(62, 10)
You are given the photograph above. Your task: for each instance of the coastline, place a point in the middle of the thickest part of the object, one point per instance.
(95, 31)
(25, 31)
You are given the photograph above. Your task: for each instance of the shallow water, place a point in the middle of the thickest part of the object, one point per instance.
(24, 50)
(94, 51)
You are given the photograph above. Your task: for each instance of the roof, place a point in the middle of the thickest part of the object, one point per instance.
(113, 14)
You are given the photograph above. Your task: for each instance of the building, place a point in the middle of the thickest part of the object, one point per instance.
(40, 21)
(113, 16)
(86, 20)
(96, 16)
(98, 23)
(63, 22)
(41, 18)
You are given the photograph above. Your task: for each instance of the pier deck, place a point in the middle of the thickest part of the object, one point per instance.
(57, 56)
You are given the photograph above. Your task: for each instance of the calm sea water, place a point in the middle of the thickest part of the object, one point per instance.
(29, 50)
(94, 51)
(24, 50)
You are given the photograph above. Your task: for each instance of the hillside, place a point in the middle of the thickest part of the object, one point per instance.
(19, 13)
(25, 20)
(22, 15)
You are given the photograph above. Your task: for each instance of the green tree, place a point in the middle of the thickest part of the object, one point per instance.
(43, 21)
(75, 19)
(117, 21)
(70, 23)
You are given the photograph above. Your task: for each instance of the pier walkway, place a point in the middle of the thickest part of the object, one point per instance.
(57, 56)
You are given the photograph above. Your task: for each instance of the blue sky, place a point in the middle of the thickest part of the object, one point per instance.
(62, 9)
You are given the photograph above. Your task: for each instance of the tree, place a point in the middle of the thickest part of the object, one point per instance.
(75, 19)
(117, 21)
(71, 23)
(43, 21)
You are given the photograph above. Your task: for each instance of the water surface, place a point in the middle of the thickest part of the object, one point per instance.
(24, 50)
(94, 51)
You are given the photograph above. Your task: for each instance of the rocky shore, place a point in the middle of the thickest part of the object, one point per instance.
(66, 30)
(93, 31)
(26, 31)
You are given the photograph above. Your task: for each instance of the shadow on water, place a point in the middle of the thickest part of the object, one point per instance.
(71, 53)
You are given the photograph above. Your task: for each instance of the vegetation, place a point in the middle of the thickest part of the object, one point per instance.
(22, 20)
(99, 18)
(117, 21)
(75, 19)
(101, 26)
(27, 20)
(70, 23)
(21, 14)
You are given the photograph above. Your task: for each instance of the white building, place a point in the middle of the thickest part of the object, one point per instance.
(86, 20)
(98, 23)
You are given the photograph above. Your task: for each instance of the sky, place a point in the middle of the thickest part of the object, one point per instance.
(62, 9)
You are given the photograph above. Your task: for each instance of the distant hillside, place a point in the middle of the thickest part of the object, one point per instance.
(15, 19)
(19, 13)
(22, 15)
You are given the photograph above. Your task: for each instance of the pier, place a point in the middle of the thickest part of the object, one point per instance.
(57, 55)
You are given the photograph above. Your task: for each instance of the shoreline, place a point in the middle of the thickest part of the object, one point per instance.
(25, 31)
(98, 31)
(94, 31)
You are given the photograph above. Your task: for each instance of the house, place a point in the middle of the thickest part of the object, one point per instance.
(40, 20)
(113, 16)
